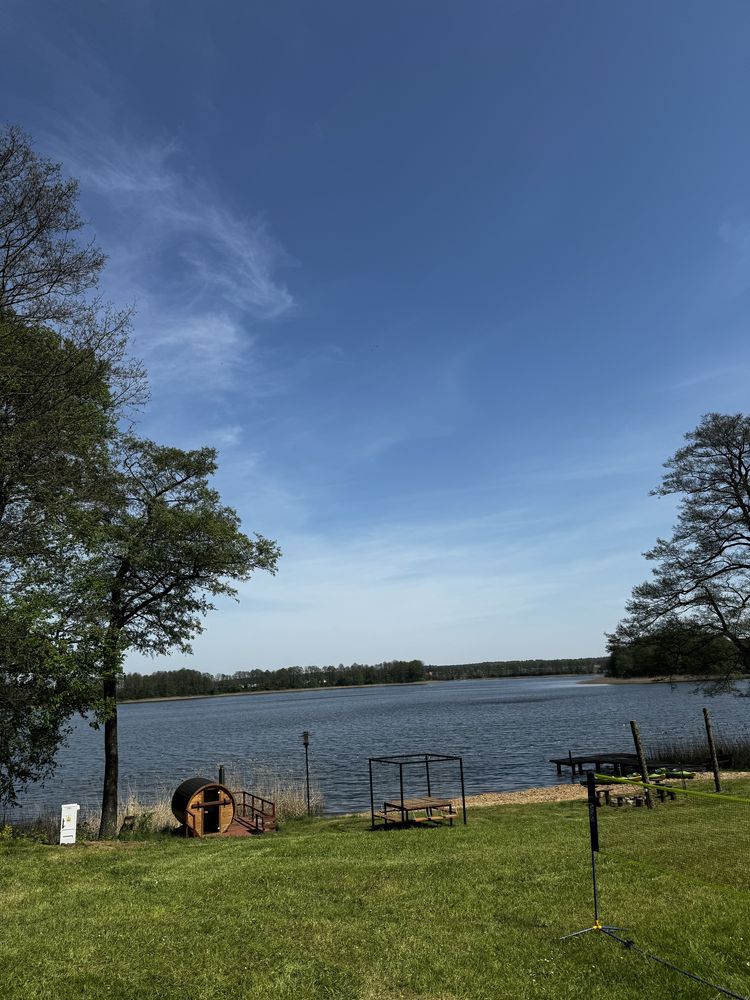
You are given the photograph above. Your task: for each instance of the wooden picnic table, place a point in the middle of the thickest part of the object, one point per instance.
(423, 803)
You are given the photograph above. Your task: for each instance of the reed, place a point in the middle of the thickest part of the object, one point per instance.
(287, 791)
(734, 748)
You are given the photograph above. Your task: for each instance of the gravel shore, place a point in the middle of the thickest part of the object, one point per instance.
(562, 793)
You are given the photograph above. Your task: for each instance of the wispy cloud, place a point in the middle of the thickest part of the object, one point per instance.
(732, 372)
(197, 353)
(204, 278)
(233, 258)
(113, 168)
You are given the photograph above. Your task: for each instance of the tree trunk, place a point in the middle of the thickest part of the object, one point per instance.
(108, 825)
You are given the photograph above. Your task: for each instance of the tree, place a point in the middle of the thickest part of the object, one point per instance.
(41, 685)
(107, 543)
(56, 413)
(48, 276)
(64, 380)
(44, 269)
(700, 586)
(160, 545)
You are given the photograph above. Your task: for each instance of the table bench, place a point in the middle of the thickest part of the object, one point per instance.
(436, 810)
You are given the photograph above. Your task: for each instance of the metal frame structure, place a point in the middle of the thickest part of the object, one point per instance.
(411, 760)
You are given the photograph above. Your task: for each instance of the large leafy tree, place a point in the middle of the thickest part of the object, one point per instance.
(56, 415)
(160, 545)
(107, 543)
(64, 380)
(700, 586)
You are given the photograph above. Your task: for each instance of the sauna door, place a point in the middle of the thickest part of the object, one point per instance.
(211, 812)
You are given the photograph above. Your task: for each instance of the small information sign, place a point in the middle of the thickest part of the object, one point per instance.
(68, 822)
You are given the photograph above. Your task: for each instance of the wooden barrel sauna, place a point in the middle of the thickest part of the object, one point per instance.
(203, 806)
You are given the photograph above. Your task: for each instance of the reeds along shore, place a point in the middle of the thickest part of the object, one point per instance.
(149, 816)
(694, 750)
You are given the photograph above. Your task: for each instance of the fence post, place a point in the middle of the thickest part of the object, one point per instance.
(641, 760)
(712, 749)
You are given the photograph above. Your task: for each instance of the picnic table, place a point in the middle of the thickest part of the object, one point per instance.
(435, 810)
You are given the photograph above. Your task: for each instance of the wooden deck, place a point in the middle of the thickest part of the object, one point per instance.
(618, 763)
(621, 764)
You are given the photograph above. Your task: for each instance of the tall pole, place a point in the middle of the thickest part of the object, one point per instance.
(372, 796)
(306, 741)
(712, 750)
(463, 791)
(593, 836)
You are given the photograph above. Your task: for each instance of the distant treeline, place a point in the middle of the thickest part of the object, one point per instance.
(517, 668)
(185, 682)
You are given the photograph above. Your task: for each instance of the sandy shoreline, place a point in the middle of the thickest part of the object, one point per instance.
(565, 793)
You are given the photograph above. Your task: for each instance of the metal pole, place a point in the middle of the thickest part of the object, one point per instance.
(372, 796)
(712, 750)
(463, 794)
(641, 760)
(306, 741)
(594, 837)
(427, 768)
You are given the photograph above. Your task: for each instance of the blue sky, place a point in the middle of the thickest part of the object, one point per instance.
(444, 283)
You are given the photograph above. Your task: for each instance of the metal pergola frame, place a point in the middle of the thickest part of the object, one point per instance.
(410, 760)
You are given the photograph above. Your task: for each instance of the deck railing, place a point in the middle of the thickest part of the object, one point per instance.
(260, 811)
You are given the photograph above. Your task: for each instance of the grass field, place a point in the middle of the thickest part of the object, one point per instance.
(327, 908)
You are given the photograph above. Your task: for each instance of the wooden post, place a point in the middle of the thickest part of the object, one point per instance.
(572, 767)
(641, 760)
(222, 775)
(712, 750)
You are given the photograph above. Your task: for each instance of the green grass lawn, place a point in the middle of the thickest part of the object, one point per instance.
(328, 908)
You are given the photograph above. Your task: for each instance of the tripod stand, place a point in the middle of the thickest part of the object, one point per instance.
(597, 926)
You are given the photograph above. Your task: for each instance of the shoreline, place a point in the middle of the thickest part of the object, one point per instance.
(570, 792)
(567, 792)
(534, 795)
(681, 679)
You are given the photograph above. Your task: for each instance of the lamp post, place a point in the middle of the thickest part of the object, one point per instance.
(306, 741)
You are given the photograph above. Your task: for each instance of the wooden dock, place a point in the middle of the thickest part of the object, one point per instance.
(619, 765)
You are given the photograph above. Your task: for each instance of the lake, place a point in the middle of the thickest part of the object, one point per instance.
(505, 729)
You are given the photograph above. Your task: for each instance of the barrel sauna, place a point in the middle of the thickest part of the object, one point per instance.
(203, 806)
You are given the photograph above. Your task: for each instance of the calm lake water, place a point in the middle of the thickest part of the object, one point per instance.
(505, 729)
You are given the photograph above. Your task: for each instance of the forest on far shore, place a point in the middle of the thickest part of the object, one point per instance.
(185, 682)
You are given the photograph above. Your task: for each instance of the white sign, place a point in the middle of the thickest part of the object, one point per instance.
(68, 821)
